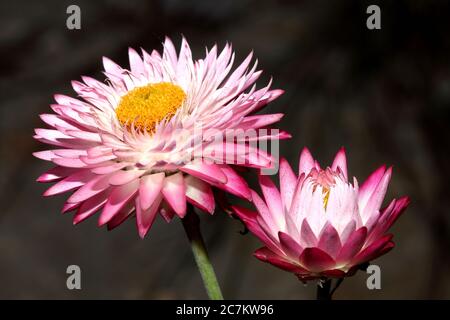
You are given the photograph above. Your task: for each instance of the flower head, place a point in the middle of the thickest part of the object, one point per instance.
(138, 143)
(319, 224)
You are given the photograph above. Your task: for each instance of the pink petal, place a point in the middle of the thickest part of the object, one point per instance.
(145, 218)
(174, 191)
(69, 207)
(373, 251)
(366, 189)
(377, 196)
(73, 181)
(121, 216)
(204, 171)
(329, 240)
(306, 162)
(119, 197)
(125, 176)
(91, 206)
(307, 236)
(290, 246)
(235, 185)
(316, 260)
(273, 199)
(55, 174)
(288, 181)
(96, 185)
(199, 193)
(352, 246)
(264, 254)
(149, 189)
(340, 161)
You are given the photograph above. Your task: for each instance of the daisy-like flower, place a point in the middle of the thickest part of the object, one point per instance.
(319, 225)
(132, 144)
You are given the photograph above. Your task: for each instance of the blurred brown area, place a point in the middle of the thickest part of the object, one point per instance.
(383, 94)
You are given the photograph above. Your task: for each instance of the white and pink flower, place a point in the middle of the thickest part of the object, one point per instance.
(318, 224)
(129, 145)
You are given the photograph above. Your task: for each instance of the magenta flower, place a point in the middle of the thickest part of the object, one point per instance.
(319, 225)
(130, 145)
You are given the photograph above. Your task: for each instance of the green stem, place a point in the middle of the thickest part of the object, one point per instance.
(191, 224)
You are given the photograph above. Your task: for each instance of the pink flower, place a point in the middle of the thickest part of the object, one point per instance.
(130, 145)
(319, 224)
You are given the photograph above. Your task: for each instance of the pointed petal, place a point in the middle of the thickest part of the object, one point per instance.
(119, 197)
(145, 218)
(329, 240)
(352, 246)
(199, 193)
(306, 162)
(288, 181)
(340, 161)
(290, 246)
(316, 260)
(209, 172)
(149, 189)
(174, 191)
(264, 254)
(307, 236)
(125, 176)
(75, 180)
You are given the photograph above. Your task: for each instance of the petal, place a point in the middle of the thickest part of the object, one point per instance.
(316, 260)
(55, 174)
(75, 180)
(372, 251)
(96, 185)
(125, 176)
(121, 216)
(149, 189)
(290, 246)
(306, 162)
(235, 185)
(145, 218)
(288, 181)
(340, 161)
(329, 240)
(264, 254)
(119, 197)
(307, 236)
(174, 191)
(91, 206)
(366, 189)
(273, 200)
(352, 246)
(199, 193)
(204, 171)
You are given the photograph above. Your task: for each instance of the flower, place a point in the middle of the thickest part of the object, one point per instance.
(319, 224)
(131, 144)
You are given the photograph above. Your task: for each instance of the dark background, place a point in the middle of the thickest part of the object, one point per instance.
(384, 94)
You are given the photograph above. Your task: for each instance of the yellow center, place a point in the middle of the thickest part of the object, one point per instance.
(326, 196)
(148, 105)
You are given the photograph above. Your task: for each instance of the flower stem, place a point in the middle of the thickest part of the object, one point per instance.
(323, 290)
(191, 224)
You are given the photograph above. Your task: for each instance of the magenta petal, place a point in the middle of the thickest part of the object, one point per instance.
(69, 207)
(366, 189)
(209, 172)
(340, 161)
(90, 189)
(145, 218)
(307, 236)
(121, 216)
(377, 196)
(288, 181)
(306, 162)
(335, 273)
(71, 182)
(174, 191)
(125, 176)
(55, 174)
(264, 254)
(316, 260)
(372, 251)
(329, 240)
(235, 183)
(289, 245)
(149, 189)
(352, 246)
(91, 206)
(119, 197)
(272, 197)
(199, 193)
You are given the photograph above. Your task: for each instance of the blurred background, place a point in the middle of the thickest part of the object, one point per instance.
(383, 94)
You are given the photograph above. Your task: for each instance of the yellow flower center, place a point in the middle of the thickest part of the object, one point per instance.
(146, 106)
